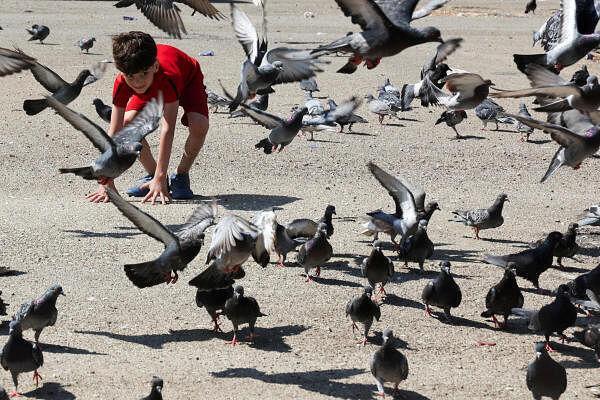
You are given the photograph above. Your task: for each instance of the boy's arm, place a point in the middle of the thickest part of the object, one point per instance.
(158, 185)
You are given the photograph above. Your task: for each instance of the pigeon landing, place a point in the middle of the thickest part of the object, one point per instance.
(40, 313)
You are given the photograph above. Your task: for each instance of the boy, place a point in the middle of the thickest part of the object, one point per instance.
(147, 68)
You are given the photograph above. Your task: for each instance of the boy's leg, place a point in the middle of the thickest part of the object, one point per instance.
(198, 128)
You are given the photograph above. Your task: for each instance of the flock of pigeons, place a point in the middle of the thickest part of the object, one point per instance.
(386, 30)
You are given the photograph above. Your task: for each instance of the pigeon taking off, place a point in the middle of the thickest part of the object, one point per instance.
(442, 292)
(388, 364)
(156, 389)
(118, 152)
(452, 118)
(483, 218)
(545, 377)
(180, 247)
(242, 310)
(344, 114)
(363, 309)
(502, 298)
(465, 91)
(40, 313)
(19, 355)
(377, 268)
(104, 111)
(12, 62)
(315, 252)
(85, 44)
(38, 32)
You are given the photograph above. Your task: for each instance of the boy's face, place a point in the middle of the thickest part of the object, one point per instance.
(141, 81)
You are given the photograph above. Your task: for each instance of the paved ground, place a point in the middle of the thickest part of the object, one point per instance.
(112, 337)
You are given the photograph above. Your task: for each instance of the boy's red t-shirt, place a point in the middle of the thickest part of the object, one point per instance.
(176, 71)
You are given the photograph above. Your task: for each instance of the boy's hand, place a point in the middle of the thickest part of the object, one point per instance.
(100, 196)
(157, 189)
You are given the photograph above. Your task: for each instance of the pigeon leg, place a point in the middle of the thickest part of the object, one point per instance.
(363, 341)
(372, 63)
(476, 229)
(308, 278)
(175, 277)
(382, 290)
(496, 322)
(215, 320)
(380, 119)
(428, 310)
(349, 128)
(15, 378)
(36, 377)
(559, 261)
(14, 393)
(234, 340)
(280, 261)
(354, 326)
(380, 389)
(481, 343)
(356, 59)
(497, 128)
(318, 273)
(549, 348)
(37, 336)
(456, 132)
(103, 180)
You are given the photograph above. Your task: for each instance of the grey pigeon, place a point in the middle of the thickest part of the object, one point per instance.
(242, 310)
(388, 364)
(2, 306)
(442, 292)
(417, 247)
(377, 268)
(19, 355)
(530, 263)
(181, 247)
(314, 106)
(452, 118)
(164, 14)
(588, 281)
(156, 389)
(483, 218)
(315, 252)
(261, 102)
(574, 148)
(593, 304)
(577, 38)
(502, 298)
(556, 316)
(213, 301)
(465, 91)
(394, 101)
(307, 228)
(530, 6)
(545, 377)
(40, 313)
(381, 108)
(408, 198)
(386, 31)
(591, 216)
(309, 85)
(490, 111)
(344, 114)
(216, 101)
(117, 153)
(590, 337)
(104, 111)
(525, 130)
(549, 33)
(38, 32)
(363, 309)
(85, 44)
(389, 88)
(263, 69)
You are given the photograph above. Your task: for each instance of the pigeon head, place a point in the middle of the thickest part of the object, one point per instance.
(511, 269)
(387, 335)
(278, 65)
(377, 244)
(239, 291)
(367, 290)
(540, 348)
(330, 210)
(422, 224)
(432, 34)
(554, 237)
(432, 205)
(562, 290)
(97, 102)
(502, 197)
(54, 291)
(445, 266)
(157, 383)
(573, 227)
(15, 326)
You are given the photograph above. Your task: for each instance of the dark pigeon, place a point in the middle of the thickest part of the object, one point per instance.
(242, 310)
(38, 32)
(315, 252)
(307, 228)
(388, 364)
(567, 247)
(85, 44)
(214, 301)
(590, 337)
(530, 7)
(20, 355)
(40, 313)
(417, 247)
(545, 377)
(587, 281)
(363, 309)
(377, 268)
(261, 102)
(580, 77)
(502, 298)
(104, 111)
(156, 389)
(483, 218)
(442, 292)
(3, 306)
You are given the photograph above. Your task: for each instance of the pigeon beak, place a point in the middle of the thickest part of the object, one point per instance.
(63, 294)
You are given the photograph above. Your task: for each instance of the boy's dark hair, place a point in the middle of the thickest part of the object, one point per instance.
(133, 52)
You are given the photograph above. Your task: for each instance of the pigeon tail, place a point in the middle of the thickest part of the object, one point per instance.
(84, 172)
(523, 60)
(498, 261)
(33, 107)
(265, 145)
(124, 3)
(557, 162)
(212, 278)
(348, 68)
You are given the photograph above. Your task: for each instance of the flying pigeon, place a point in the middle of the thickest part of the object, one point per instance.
(502, 298)
(307, 228)
(261, 102)
(363, 309)
(388, 364)
(483, 218)
(465, 91)
(38, 32)
(181, 247)
(19, 355)
(442, 292)
(242, 310)
(40, 313)
(545, 377)
(274, 236)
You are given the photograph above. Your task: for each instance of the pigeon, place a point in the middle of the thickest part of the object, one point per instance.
(85, 44)
(556, 316)
(3, 306)
(215, 277)
(577, 38)
(490, 111)
(530, 263)
(181, 247)
(408, 198)
(309, 85)
(216, 101)
(525, 130)
(275, 237)
(590, 337)
(387, 31)
(377, 268)
(344, 114)
(503, 297)
(567, 247)
(213, 300)
(394, 101)
(242, 310)
(262, 69)
(104, 111)
(389, 88)
(417, 247)
(19, 355)
(156, 389)
(261, 102)
(442, 292)
(435, 70)
(549, 33)
(388, 364)
(591, 216)
(362, 309)
(164, 14)
(466, 91)
(381, 108)
(589, 281)
(40, 313)
(452, 118)
(593, 304)
(483, 218)
(315, 252)
(530, 6)
(314, 106)
(574, 148)
(38, 32)
(307, 228)
(545, 377)
(117, 153)
(580, 77)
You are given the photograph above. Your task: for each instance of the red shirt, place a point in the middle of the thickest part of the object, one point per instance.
(176, 71)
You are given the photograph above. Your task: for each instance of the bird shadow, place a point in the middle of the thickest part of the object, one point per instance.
(358, 133)
(397, 301)
(468, 137)
(323, 141)
(394, 124)
(587, 357)
(506, 241)
(253, 202)
(455, 255)
(501, 130)
(570, 269)
(59, 349)
(589, 251)
(13, 272)
(48, 44)
(541, 292)
(538, 141)
(80, 233)
(335, 282)
(345, 267)
(92, 54)
(50, 391)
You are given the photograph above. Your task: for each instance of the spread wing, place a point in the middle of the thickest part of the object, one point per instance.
(297, 64)
(398, 12)
(164, 14)
(203, 7)
(559, 134)
(144, 123)
(428, 8)
(552, 91)
(463, 83)
(47, 78)
(263, 118)
(403, 198)
(14, 61)
(366, 13)
(229, 229)
(245, 32)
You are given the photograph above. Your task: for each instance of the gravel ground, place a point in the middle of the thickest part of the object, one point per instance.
(111, 337)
